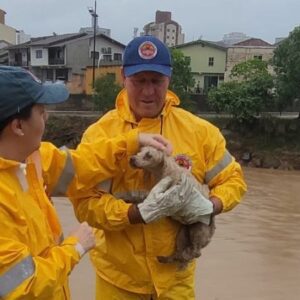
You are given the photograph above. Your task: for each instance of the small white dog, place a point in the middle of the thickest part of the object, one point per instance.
(190, 238)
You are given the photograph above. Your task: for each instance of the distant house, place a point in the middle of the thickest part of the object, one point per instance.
(246, 50)
(207, 60)
(65, 57)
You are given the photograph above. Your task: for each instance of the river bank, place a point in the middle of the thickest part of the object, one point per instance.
(268, 142)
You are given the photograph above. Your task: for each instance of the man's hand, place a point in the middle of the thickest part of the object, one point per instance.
(163, 200)
(85, 236)
(155, 140)
(197, 208)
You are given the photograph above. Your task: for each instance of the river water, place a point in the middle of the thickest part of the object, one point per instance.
(255, 253)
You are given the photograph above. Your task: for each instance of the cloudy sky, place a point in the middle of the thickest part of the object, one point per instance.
(209, 19)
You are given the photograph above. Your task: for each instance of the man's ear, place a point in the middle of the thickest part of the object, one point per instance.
(16, 127)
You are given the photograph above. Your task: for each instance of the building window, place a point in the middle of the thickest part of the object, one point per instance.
(38, 54)
(106, 57)
(96, 54)
(210, 61)
(258, 57)
(118, 56)
(106, 50)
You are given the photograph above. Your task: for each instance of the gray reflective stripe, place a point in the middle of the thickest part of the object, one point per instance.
(105, 185)
(61, 238)
(16, 275)
(65, 177)
(219, 167)
(132, 196)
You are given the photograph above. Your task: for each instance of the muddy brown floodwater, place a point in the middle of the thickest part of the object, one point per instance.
(255, 253)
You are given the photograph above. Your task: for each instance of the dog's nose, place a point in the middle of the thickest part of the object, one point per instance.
(132, 161)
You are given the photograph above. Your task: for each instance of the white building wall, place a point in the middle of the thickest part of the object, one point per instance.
(102, 43)
(171, 33)
(22, 37)
(43, 61)
(160, 31)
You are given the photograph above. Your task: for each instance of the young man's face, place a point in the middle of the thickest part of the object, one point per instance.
(33, 128)
(146, 93)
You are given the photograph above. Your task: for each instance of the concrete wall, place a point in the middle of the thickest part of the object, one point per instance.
(103, 70)
(76, 84)
(7, 34)
(236, 55)
(77, 56)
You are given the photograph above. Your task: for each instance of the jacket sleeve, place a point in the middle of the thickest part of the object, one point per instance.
(101, 209)
(66, 172)
(95, 206)
(223, 175)
(24, 276)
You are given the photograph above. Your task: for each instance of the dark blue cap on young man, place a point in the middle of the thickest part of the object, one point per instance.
(146, 53)
(20, 88)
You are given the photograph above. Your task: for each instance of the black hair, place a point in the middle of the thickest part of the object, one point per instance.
(23, 114)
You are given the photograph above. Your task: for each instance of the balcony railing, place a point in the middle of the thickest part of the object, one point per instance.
(56, 61)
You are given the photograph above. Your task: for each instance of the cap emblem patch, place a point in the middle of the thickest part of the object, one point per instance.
(147, 50)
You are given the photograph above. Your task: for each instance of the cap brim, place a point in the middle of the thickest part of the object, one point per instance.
(53, 93)
(131, 70)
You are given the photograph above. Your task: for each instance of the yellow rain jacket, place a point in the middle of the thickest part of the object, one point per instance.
(35, 261)
(125, 254)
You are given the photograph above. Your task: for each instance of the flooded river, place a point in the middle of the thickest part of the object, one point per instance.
(255, 253)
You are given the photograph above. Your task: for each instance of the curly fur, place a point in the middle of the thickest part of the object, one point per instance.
(190, 238)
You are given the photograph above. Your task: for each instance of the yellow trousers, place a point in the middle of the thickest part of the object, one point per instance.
(181, 291)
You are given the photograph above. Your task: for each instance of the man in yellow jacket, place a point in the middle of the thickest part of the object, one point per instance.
(129, 238)
(35, 259)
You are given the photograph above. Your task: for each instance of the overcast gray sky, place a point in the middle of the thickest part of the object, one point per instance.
(211, 19)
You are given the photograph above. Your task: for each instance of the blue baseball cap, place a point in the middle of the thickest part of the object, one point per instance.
(147, 53)
(20, 88)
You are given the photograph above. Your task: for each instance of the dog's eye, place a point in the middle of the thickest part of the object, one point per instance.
(147, 156)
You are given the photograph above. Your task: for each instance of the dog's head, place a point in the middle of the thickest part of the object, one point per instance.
(148, 159)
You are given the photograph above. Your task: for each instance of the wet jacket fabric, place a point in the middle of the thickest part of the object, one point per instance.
(126, 254)
(35, 260)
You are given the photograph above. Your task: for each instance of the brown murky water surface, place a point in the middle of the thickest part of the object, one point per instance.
(255, 253)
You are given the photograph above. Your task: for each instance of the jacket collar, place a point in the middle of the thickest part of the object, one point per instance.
(7, 164)
(126, 114)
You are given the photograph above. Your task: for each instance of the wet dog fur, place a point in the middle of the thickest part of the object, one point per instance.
(191, 238)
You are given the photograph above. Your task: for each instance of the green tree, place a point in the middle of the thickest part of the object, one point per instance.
(106, 91)
(247, 94)
(182, 78)
(286, 61)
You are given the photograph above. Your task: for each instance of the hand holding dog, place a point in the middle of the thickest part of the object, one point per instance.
(197, 208)
(155, 140)
(164, 200)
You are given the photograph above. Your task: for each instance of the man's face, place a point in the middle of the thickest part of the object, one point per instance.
(146, 93)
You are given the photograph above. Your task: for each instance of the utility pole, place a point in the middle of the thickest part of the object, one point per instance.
(94, 15)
